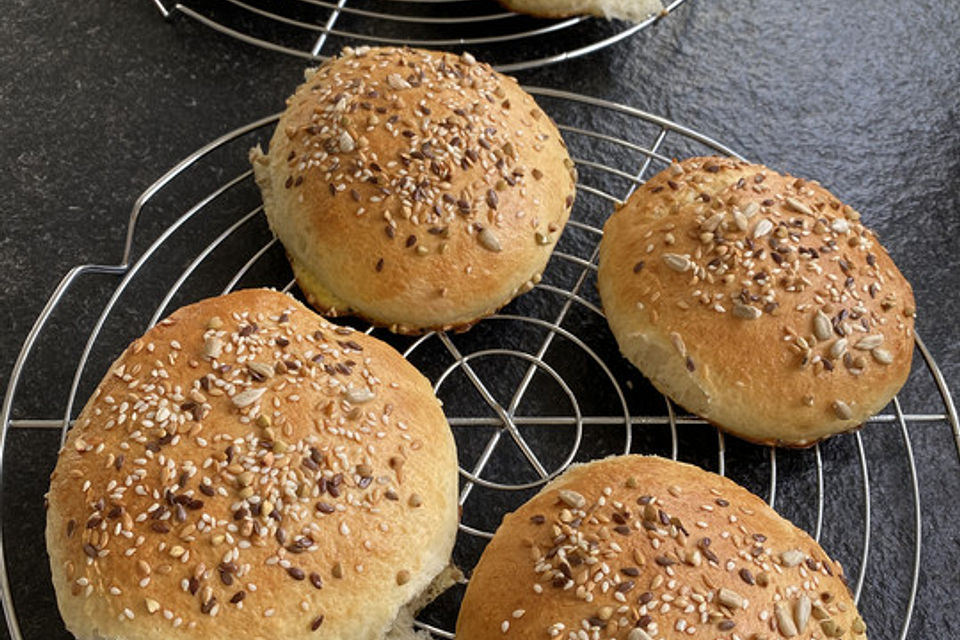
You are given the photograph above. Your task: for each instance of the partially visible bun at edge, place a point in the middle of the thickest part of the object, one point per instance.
(644, 548)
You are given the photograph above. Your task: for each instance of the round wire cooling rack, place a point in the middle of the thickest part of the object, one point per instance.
(528, 391)
(309, 28)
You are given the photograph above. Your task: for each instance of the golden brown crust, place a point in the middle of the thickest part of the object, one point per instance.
(756, 300)
(413, 188)
(639, 547)
(245, 468)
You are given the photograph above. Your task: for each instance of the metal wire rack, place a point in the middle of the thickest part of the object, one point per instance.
(527, 391)
(305, 28)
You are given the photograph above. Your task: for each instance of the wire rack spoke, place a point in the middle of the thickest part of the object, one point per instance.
(504, 415)
(917, 520)
(230, 286)
(203, 255)
(327, 28)
(865, 552)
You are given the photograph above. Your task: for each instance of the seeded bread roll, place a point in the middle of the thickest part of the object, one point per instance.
(635, 10)
(416, 189)
(637, 548)
(756, 300)
(248, 470)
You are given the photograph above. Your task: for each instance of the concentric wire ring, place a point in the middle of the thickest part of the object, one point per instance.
(304, 28)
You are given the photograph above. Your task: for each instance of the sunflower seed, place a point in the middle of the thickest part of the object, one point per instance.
(791, 558)
(638, 634)
(676, 261)
(489, 240)
(346, 142)
(763, 228)
(714, 221)
(798, 206)
(801, 614)
(751, 209)
(870, 342)
(468, 58)
(838, 348)
(784, 620)
(730, 598)
(740, 220)
(842, 409)
(882, 356)
(260, 369)
(395, 81)
(212, 347)
(822, 328)
(840, 225)
(572, 499)
(359, 396)
(678, 343)
(248, 397)
(746, 311)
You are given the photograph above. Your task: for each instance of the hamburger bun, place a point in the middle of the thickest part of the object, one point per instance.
(248, 470)
(756, 300)
(634, 10)
(416, 189)
(642, 548)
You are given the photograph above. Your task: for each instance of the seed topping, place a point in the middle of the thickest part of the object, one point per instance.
(256, 490)
(781, 252)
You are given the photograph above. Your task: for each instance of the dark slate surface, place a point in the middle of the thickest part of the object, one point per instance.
(100, 98)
